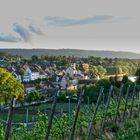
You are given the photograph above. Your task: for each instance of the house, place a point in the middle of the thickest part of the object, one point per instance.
(3, 63)
(70, 71)
(18, 77)
(29, 88)
(63, 83)
(42, 73)
(27, 74)
(32, 72)
(35, 74)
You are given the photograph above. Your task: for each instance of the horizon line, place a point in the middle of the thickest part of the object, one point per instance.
(71, 49)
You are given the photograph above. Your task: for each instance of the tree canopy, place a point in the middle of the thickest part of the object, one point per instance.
(9, 87)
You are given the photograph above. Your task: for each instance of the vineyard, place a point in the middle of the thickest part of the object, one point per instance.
(113, 118)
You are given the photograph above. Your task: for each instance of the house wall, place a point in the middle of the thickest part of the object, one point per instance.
(35, 75)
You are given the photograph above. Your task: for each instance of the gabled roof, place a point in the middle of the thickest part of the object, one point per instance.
(33, 69)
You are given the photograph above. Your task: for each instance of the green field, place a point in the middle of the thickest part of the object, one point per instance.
(21, 116)
(17, 118)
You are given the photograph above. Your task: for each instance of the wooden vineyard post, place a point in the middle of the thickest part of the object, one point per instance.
(94, 114)
(76, 116)
(106, 109)
(138, 103)
(9, 120)
(126, 102)
(118, 105)
(27, 115)
(88, 102)
(132, 102)
(51, 117)
(69, 104)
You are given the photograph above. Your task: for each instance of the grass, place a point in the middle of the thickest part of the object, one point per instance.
(17, 118)
(21, 117)
(128, 130)
(59, 107)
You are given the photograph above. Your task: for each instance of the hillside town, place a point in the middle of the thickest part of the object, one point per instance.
(48, 74)
(45, 75)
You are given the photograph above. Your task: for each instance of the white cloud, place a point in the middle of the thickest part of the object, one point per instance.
(22, 31)
(9, 38)
(35, 30)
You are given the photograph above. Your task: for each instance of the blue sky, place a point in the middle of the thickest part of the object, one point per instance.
(80, 24)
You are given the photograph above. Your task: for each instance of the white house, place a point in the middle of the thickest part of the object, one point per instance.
(78, 72)
(31, 73)
(63, 83)
(27, 74)
(70, 71)
(35, 75)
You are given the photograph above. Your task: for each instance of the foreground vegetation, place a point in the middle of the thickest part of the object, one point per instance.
(61, 125)
(113, 118)
(114, 104)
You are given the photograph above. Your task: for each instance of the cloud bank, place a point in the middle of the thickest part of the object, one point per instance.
(8, 38)
(22, 31)
(28, 29)
(35, 30)
(61, 21)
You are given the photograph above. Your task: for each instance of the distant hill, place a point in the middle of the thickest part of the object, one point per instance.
(72, 52)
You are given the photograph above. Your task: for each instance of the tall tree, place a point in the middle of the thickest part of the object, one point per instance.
(93, 71)
(101, 71)
(10, 91)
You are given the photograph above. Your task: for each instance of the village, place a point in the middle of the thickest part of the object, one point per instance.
(43, 76)
(48, 74)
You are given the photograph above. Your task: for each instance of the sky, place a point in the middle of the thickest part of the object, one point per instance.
(77, 24)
